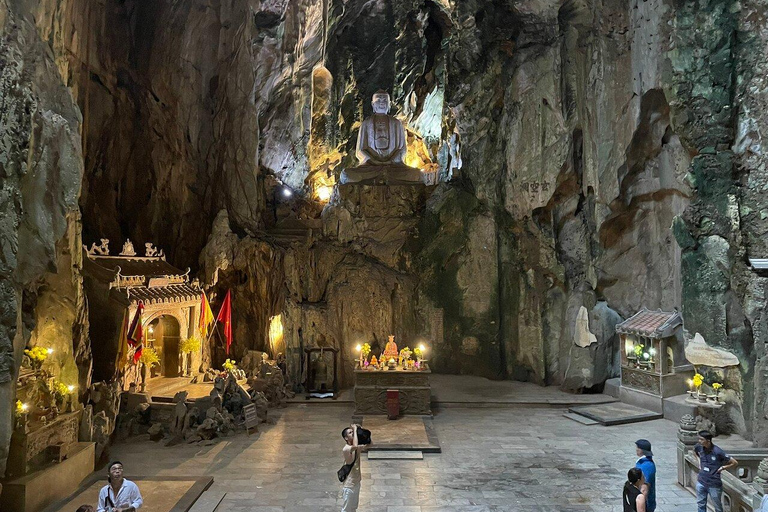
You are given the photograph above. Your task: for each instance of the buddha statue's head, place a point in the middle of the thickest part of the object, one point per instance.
(380, 102)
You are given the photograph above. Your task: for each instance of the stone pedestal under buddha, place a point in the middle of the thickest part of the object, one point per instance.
(381, 149)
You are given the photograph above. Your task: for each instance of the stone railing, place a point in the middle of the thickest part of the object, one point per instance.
(743, 487)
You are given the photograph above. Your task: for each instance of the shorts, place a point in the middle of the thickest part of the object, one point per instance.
(350, 497)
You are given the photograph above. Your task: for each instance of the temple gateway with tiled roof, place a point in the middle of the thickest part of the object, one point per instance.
(653, 364)
(116, 284)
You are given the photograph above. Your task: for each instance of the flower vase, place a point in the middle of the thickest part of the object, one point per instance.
(143, 377)
(23, 422)
(189, 364)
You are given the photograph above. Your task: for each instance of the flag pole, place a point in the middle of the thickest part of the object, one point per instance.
(224, 343)
(213, 328)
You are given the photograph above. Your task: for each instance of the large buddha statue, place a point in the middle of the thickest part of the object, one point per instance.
(381, 148)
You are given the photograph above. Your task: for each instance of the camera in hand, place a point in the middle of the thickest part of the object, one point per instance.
(363, 436)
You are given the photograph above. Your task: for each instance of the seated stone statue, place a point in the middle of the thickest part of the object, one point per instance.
(381, 149)
(390, 350)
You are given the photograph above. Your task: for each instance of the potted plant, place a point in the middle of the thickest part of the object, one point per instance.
(698, 380)
(229, 366)
(22, 416)
(148, 359)
(188, 347)
(36, 356)
(59, 391)
(638, 350)
(717, 386)
(405, 355)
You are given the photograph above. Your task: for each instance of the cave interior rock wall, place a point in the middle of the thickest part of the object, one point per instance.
(591, 162)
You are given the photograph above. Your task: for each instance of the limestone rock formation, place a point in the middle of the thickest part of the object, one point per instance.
(41, 166)
(588, 163)
(697, 352)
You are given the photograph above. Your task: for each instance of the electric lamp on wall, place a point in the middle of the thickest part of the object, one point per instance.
(323, 193)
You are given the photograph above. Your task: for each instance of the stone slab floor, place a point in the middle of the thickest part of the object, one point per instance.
(511, 459)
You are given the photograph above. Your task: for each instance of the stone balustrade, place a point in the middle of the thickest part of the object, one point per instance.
(743, 486)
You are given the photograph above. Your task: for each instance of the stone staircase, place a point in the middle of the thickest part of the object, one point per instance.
(634, 406)
(291, 230)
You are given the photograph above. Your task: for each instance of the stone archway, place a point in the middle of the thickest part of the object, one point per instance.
(164, 335)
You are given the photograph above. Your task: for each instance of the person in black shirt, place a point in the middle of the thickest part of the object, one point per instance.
(633, 498)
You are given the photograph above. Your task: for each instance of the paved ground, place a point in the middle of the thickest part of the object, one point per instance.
(471, 391)
(510, 459)
(159, 496)
(467, 390)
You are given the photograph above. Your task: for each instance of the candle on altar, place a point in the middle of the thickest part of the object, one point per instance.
(359, 349)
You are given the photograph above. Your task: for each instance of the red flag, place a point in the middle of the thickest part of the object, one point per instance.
(225, 315)
(122, 350)
(136, 333)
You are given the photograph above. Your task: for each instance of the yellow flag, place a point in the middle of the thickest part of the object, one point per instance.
(206, 316)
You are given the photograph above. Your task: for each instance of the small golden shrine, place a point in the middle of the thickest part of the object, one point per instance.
(116, 284)
(653, 353)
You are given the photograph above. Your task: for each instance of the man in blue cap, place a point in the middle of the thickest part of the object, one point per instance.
(648, 467)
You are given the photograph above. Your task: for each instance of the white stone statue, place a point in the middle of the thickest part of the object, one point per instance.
(381, 139)
(381, 149)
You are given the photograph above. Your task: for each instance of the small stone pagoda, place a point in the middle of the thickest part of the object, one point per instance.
(653, 364)
(116, 284)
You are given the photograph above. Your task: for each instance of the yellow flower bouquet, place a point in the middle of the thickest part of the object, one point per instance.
(149, 357)
(36, 356)
(190, 345)
(59, 391)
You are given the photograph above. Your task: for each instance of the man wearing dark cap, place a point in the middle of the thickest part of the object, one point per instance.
(648, 467)
(120, 494)
(712, 461)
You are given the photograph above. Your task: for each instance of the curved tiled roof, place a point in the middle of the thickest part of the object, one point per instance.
(654, 324)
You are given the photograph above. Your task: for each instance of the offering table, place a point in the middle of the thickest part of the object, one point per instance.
(371, 391)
